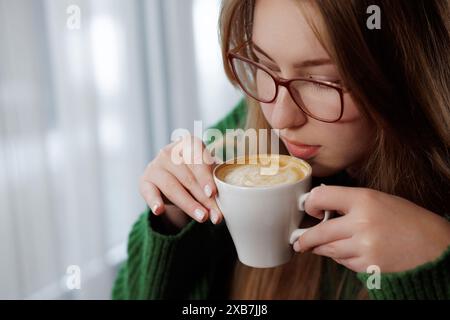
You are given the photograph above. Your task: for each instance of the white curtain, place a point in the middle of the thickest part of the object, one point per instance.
(83, 109)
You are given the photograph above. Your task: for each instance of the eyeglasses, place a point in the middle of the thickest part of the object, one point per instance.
(319, 99)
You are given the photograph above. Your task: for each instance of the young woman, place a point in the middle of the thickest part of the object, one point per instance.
(369, 109)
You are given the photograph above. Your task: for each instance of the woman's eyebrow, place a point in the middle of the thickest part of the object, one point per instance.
(303, 64)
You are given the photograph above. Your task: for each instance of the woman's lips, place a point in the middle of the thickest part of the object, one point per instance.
(300, 150)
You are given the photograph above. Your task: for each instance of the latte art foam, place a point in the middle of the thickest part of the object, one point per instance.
(250, 175)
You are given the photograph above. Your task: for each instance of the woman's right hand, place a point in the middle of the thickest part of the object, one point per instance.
(182, 181)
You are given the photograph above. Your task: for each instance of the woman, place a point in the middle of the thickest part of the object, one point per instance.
(370, 109)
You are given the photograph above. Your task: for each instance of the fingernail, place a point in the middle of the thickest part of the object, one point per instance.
(208, 190)
(297, 246)
(155, 207)
(199, 214)
(214, 216)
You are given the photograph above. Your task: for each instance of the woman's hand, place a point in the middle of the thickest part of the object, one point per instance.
(184, 179)
(374, 228)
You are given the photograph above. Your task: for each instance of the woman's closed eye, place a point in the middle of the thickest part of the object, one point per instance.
(318, 86)
(330, 79)
(275, 69)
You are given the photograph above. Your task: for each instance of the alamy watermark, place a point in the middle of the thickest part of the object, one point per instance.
(374, 280)
(73, 277)
(237, 143)
(73, 17)
(374, 20)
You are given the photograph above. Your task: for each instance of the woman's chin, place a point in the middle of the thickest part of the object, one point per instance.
(320, 170)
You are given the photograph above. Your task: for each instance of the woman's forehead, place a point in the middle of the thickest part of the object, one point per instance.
(281, 30)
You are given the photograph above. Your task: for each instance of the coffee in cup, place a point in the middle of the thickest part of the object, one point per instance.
(251, 173)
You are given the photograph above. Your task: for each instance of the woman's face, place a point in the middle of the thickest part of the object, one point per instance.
(281, 31)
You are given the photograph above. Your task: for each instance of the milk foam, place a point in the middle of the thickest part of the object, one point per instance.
(249, 175)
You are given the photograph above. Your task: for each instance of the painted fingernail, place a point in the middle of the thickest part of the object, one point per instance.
(199, 214)
(297, 246)
(214, 216)
(155, 207)
(208, 190)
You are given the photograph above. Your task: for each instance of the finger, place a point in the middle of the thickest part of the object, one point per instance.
(185, 176)
(215, 214)
(333, 198)
(189, 181)
(325, 232)
(152, 197)
(178, 195)
(353, 263)
(340, 249)
(203, 174)
(197, 157)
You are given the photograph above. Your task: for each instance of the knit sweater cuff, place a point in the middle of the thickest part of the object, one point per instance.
(428, 281)
(151, 270)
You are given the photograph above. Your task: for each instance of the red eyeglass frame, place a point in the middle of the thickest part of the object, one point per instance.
(233, 54)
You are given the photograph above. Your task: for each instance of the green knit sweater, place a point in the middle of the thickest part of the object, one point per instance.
(196, 262)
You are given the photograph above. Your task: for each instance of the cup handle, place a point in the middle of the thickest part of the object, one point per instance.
(301, 206)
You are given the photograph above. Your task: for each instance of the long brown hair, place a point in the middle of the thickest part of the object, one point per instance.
(399, 77)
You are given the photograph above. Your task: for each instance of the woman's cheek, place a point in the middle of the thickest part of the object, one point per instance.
(342, 149)
(267, 110)
(331, 159)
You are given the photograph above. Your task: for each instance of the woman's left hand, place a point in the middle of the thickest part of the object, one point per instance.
(374, 228)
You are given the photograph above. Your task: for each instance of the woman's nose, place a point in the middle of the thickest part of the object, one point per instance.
(285, 112)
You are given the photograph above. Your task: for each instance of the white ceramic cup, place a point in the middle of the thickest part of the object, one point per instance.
(263, 221)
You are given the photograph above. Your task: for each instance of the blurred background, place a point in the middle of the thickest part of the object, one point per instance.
(89, 92)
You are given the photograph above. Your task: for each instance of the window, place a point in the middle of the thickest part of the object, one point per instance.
(82, 111)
